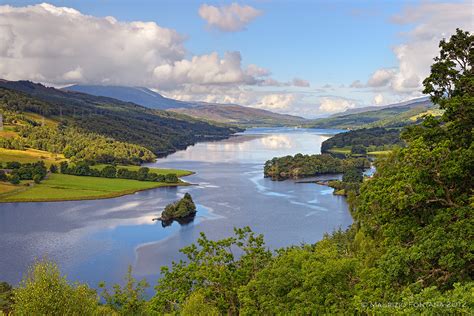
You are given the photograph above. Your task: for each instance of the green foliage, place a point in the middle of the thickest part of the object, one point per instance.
(171, 178)
(358, 150)
(213, 270)
(377, 137)
(352, 175)
(160, 132)
(45, 292)
(310, 165)
(14, 179)
(392, 117)
(53, 168)
(182, 208)
(129, 299)
(6, 297)
(108, 172)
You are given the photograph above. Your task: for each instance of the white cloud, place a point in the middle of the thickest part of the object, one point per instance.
(276, 101)
(434, 21)
(332, 105)
(61, 45)
(73, 75)
(381, 77)
(298, 82)
(378, 99)
(230, 18)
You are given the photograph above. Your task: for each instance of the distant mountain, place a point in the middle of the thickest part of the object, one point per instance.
(396, 115)
(159, 131)
(239, 115)
(410, 103)
(138, 95)
(223, 113)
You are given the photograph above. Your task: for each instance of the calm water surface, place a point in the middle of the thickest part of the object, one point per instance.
(96, 240)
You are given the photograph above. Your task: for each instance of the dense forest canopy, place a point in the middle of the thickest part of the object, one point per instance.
(408, 252)
(300, 165)
(159, 131)
(377, 138)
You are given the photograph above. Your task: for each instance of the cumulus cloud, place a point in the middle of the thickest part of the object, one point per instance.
(230, 18)
(433, 21)
(59, 45)
(378, 99)
(381, 77)
(333, 105)
(276, 101)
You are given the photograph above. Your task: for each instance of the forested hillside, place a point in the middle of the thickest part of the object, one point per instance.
(398, 116)
(158, 131)
(409, 251)
(372, 139)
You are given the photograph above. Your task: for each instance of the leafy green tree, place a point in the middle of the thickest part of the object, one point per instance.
(142, 173)
(108, 172)
(129, 299)
(352, 175)
(171, 178)
(6, 298)
(3, 176)
(358, 150)
(214, 271)
(14, 179)
(44, 291)
(63, 166)
(53, 168)
(37, 178)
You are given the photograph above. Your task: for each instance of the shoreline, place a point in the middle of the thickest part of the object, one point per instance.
(92, 198)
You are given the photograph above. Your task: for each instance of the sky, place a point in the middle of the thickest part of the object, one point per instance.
(304, 57)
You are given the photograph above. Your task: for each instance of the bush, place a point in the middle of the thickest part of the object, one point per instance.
(37, 178)
(45, 292)
(14, 179)
(171, 178)
(108, 172)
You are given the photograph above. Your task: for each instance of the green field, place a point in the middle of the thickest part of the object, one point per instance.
(347, 150)
(61, 187)
(179, 173)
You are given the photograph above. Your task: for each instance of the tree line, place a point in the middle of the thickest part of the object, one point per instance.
(376, 138)
(301, 165)
(27, 171)
(85, 168)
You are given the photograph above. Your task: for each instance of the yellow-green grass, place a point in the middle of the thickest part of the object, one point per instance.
(40, 119)
(61, 187)
(343, 150)
(29, 155)
(6, 188)
(379, 153)
(179, 173)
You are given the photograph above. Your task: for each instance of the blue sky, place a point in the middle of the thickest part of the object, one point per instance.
(328, 44)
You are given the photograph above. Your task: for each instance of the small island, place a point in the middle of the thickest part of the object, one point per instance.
(183, 211)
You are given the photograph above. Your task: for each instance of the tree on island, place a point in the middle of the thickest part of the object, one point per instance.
(180, 209)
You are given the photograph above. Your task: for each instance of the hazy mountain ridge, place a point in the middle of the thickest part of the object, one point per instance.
(223, 113)
(396, 115)
(160, 131)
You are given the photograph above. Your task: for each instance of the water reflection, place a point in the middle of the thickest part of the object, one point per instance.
(97, 240)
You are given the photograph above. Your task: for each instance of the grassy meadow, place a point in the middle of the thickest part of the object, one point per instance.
(61, 187)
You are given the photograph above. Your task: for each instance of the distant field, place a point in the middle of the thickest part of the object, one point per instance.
(61, 187)
(29, 155)
(179, 173)
(347, 150)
